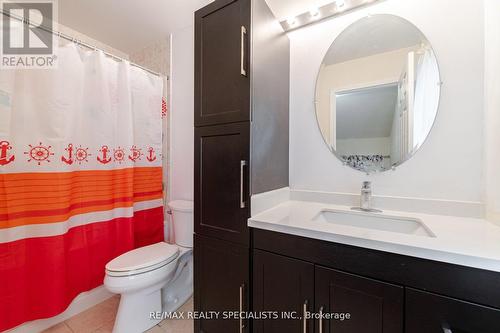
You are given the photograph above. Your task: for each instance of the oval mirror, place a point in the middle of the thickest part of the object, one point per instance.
(377, 93)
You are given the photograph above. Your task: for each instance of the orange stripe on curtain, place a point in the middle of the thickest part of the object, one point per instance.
(14, 206)
(59, 215)
(54, 196)
(32, 198)
(21, 187)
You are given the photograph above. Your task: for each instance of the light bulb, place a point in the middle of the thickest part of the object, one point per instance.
(314, 12)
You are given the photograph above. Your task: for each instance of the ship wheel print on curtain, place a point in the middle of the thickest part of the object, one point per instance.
(135, 153)
(39, 153)
(119, 155)
(82, 154)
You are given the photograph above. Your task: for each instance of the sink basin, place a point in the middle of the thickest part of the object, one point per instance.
(375, 221)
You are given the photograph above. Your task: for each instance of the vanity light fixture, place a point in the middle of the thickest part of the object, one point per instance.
(334, 8)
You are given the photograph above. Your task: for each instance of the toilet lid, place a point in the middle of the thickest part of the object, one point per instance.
(158, 254)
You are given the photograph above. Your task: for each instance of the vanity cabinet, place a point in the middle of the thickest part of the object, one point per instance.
(431, 313)
(285, 285)
(241, 113)
(289, 285)
(373, 306)
(383, 292)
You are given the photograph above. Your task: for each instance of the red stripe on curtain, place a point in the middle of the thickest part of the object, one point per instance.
(39, 277)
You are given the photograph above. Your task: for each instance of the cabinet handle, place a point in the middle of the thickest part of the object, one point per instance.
(242, 325)
(304, 316)
(243, 34)
(321, 320)
(243, 163)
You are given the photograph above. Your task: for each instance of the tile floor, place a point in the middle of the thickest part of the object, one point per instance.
(100, 319)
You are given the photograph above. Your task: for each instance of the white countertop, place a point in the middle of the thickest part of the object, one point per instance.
(464, 241)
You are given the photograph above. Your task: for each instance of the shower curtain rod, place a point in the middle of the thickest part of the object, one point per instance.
(80, 42)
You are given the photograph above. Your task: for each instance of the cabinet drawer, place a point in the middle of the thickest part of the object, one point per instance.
(431, 313)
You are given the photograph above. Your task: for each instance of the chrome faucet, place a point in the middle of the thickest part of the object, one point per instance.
(366, 199)
(366, 196)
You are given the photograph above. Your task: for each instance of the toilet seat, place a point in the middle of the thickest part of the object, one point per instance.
(142, 260)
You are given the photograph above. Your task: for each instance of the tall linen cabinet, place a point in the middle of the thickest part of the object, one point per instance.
(241, 136)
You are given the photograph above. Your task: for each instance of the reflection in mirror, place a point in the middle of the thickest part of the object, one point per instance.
(377, 93)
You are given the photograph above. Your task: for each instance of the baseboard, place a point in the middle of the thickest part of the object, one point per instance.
(81, 303)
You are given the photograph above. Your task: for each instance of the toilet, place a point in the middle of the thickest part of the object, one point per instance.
(154, 278)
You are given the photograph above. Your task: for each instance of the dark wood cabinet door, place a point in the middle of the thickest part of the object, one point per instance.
(222, 75)
(221, 198)
(430, 313)
(285, 285)
(221, 283)
(373, 306)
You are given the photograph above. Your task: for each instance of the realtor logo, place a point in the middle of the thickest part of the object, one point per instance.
(27, 38)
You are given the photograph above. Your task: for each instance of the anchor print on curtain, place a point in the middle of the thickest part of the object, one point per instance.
(80, 177)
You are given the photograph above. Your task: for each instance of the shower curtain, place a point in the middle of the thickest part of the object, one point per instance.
(80, 177)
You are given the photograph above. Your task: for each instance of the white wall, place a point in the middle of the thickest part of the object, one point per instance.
(182, 103)
(91, 41)
(182, 114)
(449, 164)
(492, 109)
(155, 56)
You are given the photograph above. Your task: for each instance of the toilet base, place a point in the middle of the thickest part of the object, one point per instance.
(180, 289)
(137, 306)
(161, 290)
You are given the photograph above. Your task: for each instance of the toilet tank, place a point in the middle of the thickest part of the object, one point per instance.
(182, 217)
